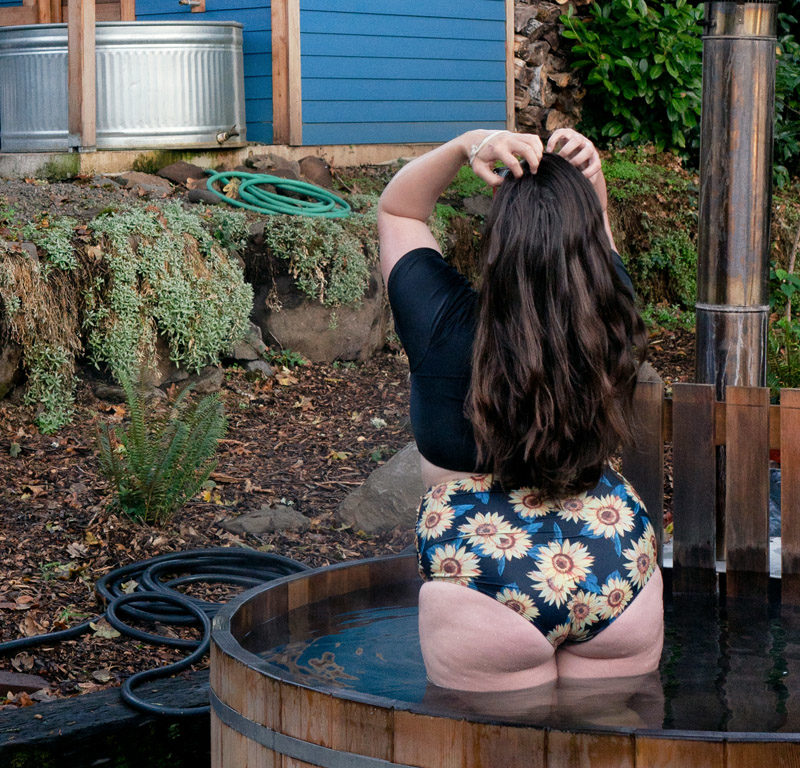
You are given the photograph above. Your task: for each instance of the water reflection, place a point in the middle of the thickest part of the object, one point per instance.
(732, 668)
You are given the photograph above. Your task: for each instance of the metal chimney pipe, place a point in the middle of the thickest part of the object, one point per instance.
(735, 192)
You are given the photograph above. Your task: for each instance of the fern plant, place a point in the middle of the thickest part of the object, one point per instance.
(157, 463)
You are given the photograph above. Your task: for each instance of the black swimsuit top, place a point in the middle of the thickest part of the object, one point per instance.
(435, 311)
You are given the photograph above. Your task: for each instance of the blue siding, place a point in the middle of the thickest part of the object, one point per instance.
(401, 70)
(254, 15)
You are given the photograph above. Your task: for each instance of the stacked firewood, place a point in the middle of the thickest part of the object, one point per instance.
(548, 93)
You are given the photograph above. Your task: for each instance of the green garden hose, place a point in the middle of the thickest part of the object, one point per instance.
(320, 202)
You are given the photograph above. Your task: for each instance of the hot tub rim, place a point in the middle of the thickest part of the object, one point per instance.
(227, 644)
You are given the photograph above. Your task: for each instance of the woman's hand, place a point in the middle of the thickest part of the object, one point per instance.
(507, 148)
(581, 153)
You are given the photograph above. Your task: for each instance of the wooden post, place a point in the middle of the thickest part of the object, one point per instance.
(511, 114)
(694, 471)
(287, 103)
(790, 496)
(747, 491)
(127, 10)
(643, 461)
(81, 67)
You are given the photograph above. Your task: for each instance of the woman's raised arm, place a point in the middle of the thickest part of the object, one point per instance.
(410, 197)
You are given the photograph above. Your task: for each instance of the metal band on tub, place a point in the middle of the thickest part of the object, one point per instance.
(308, 752)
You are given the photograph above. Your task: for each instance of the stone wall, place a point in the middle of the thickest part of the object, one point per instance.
(547, 93)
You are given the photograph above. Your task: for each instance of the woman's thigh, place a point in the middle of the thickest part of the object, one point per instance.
(472, 642)
(631, 645)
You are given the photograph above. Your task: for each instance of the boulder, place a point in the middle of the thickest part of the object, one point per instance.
(268, 519)
(272, 163)
(316, 171)
(390, 496)
(251, 347)
(145, 184)
(319, 333)
(181, 172)
(258, 369)
(10, 368)
(205, 196)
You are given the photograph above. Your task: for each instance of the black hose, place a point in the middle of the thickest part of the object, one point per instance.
(155, 599)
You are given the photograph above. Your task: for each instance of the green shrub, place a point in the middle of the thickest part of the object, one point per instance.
(642, 65)
(671, 261)
(787, 96)
(159, 462)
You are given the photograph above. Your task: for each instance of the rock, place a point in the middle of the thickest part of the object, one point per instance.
(319, 333)
(205, 196)
(478, 205)
(113, 393)
(15, 682)
(267, 520)
(30, 249)
(390, 496)
(181, 172)
(209, 380)
(316, 171)
(10, 369)
(259, 369)
(270, 163)
(251, 347)
(163, 371)
(145, 184)
(283, 173)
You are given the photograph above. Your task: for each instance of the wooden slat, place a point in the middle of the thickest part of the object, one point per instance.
(757, 754)
(673, 753)
(429, 742)
(694, 484)
(747, 492)
(10, 17)
(643, 461)
(127, 10)
(81, 68)
(790, 496)
(286, 73)
(43, 11)
(56, 14)
(589, 750)
(511, 112)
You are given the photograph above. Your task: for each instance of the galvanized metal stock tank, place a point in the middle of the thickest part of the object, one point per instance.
(159, 85)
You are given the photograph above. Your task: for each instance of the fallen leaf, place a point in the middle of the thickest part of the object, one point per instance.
(22, 662)
(103, 629)
(14, 450)
(101, 675)
(30, 627)
(91, 539)
(76, 549)
(24, 602)
(285, 378)
(338, 456)
(129, 587)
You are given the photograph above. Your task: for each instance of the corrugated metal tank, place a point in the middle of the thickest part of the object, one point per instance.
(159, 85)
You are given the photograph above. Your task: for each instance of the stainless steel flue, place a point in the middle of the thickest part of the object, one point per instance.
(735, 192)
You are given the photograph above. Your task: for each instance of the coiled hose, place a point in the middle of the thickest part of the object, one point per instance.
(321, 202)
(156, 599)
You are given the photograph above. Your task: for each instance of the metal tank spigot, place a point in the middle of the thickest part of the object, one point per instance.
(735, 192)
(223, 136)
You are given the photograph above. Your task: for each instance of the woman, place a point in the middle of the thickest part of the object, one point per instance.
(538, 558)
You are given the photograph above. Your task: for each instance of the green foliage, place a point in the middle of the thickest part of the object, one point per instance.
(286, 358)
(642, 65)
(467, 184)
(60, 168)
(167, 275)
(159, 462)
(329, 259)
(51, 386)
(669, 317)
(668, 270)
(54, 237)
(787, 96)
(783, 340)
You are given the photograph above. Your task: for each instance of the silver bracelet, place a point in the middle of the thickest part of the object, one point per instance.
(475, 148)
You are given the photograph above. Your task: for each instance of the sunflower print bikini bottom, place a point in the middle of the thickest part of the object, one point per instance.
(570, 566)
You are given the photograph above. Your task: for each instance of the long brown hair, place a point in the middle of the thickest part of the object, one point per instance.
(558, 340)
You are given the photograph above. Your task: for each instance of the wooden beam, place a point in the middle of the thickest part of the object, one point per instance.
(790, 496)
(56, 15)
(81, 68)
(43, 11)
(17, 15)
(511, 113)
(127, 10)
(287, 104)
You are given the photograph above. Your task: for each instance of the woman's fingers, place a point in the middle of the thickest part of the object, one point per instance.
(509, 149)
(577, 149)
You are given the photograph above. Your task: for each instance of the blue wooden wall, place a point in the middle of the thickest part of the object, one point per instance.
(254, 15)
(373, 71)
(401, 70)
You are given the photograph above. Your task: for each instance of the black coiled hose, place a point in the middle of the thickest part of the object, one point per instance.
(156, 599)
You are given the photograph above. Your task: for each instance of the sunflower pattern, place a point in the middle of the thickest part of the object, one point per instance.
(570, 566)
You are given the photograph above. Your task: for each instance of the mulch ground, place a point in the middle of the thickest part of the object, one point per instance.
(306, 437)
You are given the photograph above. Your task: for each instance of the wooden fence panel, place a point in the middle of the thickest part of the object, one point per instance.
(643, 461)
(694, 488)
(790, 496)
(747, 491)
